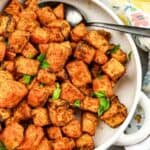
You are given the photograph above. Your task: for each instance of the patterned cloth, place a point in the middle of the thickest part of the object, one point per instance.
(136, 13)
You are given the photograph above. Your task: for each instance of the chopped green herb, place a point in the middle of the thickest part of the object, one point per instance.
(113, 50)
(129, 55)
(103, 100)
(56, 93)
(77, 103)
(45, 64)
(27, 79)
(2, 146)
(41, 58)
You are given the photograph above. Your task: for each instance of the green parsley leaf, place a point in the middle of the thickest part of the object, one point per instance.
(27, 79)
(2, 146)
(45, 64)
(129, 55)
(41, 58)
(56, 93)
(77, 103)
(113, 50)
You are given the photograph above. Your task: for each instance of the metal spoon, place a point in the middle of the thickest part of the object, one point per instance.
(74, 17)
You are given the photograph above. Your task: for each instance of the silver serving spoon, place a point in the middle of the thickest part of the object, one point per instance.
(74, 17)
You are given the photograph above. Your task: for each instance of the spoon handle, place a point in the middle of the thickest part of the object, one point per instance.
(123, 28)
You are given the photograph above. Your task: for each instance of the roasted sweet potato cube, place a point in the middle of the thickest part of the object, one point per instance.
(103, 83)
(12, 135)
(114, 69)
(45, 144)
(43, 48)
(17, 40)
(90, 104)
(29, 51)
(63, 144)
(89, 123)
(78, 32)
(116, 114)
(10, 55)
(70, 93)
(9, 65)
(28, 14)
(3, 26)
(45, 15)
(4, 114)
(40, 116)
(100, 58)
(2, 51)
(72, 129)
(119, 55)
(11, 25)
(46, 77)
(27, 66)
(5, 75)
(85, 142)
(55, 35)
(62, 75)
(79, 73)
(31, 4)
(57, 55)
(59, 11)
(84, 52)
(106, 34)
(86, 90)
(97, 40)
(54, 133)
(40, 36)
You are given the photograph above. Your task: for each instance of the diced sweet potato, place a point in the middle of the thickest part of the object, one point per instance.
(28, 14)
(86, 90)
(4, 114)
(40, 116)
(114, 69)
(70, 93)
(62, 75)
(43, 48)
(27, 66)
(105, 34)
(84, 52)
(45, 77)
(57, 55)
(85, 142)
(10, 55)
(90, 104)
(31, 5)
(3, 26)
(9, 65)
(89, 123)
(5, 75)
(54, 133)
(59, 11)
(72, 129)
(79, 73)
(45, 145)
(116, 114)
(103, 84)
(2, 51)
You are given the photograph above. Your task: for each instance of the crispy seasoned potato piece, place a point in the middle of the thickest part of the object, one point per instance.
(50, 89)
(100, 58)
(4, 75)
(4, 114)
(28, 14)
(27, 66)
(40, 116)
(31, 4)
(43, 48)
(97, 40)
(84, 52)
(63, 25)
(29, 51)
(11, 93)
(45, 15)
(85, 142)
(2, 51)
(116, 114)
(40, 36)
(79, 73)
(17, 40)
(10, 55)
(103, 83)
(22, 112)
(11, 25)
(12, 135)
(74, 46)
(55, 35)
(45, 77)
(106, 34)
(62, 75)
(119, 55)
(57, 55)
(33, 137)
(45, 145)
(4, 23)
(114, 69)
(86, 90)
(38, 96)
(54, 133)
(72, 129)
(59, 11)
(78, 32)
(9, 65)
(70, 93)
(63, 144)
(60, 114)
(90, 104)
(89, 123)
